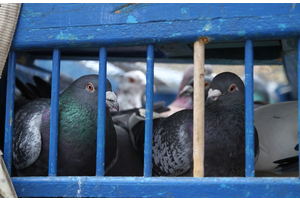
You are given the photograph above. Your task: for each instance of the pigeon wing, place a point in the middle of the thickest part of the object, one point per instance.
(27, 137)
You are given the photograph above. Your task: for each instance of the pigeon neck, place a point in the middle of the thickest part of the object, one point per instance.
(72, 111)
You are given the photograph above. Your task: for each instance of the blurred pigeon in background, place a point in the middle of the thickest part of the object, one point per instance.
(181, 102)
(188, 90)
(131, 90)
(277, 126)
(77, 134)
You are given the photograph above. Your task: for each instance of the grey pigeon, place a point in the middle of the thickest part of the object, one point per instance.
(172, 151)
(277, 126)
(77, 134)
(181, 102)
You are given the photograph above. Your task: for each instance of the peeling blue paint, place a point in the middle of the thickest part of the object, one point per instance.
(33, 29)
(131, 19)
(34, 14)
(169, 22)
(69, 36)
(222, 20)
(90, 37)
(184, 10)
(241, 33)
(282, 26)
(175, 34)
(293, 7)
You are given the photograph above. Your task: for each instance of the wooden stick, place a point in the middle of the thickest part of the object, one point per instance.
(198, 146)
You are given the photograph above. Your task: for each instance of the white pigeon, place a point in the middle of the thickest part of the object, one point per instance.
(277, 127)
(131, 90)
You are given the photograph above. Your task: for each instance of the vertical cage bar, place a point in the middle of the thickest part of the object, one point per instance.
(9, 111)
(249, 112)
(54, 115)
(149, 111)
(298, 55)
(101, 113)
(198, 122)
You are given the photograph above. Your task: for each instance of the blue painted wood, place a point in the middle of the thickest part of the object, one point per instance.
(9, 112)
(93, 25)
(156, 187)
(249, 117)
(52, 169)
(47, 26)
(149, 111)
(101, 113)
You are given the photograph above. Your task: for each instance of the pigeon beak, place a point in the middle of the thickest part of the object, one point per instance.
(213, 95)
(111, 100)
(186, 91)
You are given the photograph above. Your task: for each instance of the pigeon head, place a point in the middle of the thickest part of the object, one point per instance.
(226, 89)
(86, 90)
(188, 90)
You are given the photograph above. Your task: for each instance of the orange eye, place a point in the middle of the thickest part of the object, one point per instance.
(232, 88)
(131, 80)
(206, 85)
(89, 87)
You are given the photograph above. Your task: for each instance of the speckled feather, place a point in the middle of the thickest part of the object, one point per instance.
(172, 151)
(77, 133)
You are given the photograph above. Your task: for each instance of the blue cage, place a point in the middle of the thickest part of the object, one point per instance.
(66, 30)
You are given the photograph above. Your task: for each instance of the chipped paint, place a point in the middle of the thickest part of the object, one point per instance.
(90, 37)
(223, 185)
(131, 19)
(241, 33)
(175, 34)
(69, 36)
(184, 10)
(79, 186)
(222, 20)
(282, 26)
(293, 7)
(207, 27)
(33, 29)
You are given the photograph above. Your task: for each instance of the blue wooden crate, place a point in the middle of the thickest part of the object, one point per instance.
(58, 27)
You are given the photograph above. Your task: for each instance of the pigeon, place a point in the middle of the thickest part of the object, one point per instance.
(184, 97)
(181, 102)
(188, 90)
(77, 132)
(277, 126)
(224, 155)
(128, 162)
(131, 90)
(286, 165)
(26, 92)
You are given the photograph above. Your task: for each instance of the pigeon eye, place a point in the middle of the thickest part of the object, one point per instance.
(232, 88)
(90, 87)
(131, 80)
(206, 85)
